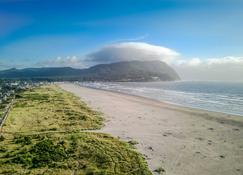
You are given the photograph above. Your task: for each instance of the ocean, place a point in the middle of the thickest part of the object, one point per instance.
(225, 97)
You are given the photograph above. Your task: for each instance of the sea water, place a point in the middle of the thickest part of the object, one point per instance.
(226, 97)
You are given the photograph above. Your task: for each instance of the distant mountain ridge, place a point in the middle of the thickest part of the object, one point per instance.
(120, 71)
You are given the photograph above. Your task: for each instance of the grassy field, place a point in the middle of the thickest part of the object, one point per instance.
(45, 134)
(3, 108)
(50, 109)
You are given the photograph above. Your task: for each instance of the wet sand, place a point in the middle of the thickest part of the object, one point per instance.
(182, 141)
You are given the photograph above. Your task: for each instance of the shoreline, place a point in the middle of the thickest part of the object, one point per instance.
(181, 140)
(173, 106)
(165, 102)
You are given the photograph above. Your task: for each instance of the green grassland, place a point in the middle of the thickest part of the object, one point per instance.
(50, 108)
(45, 134)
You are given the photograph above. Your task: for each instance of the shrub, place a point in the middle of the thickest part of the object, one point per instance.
(24, 158)
(45, 152)
(24, 140)
(1, 138)
(2, 149)
(159, 170)
(133, 142)
(18, 96)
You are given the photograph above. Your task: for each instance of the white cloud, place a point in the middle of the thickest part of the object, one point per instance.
(194, 62)
(135, 39)
(209, 61)
(69, 61)
(124, 51)
(127, 51)
(225, 60)
(224, 69)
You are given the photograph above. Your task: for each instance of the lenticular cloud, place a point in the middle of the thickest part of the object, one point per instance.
(128, 51)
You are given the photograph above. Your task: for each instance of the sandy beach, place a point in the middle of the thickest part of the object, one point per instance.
(180, 140)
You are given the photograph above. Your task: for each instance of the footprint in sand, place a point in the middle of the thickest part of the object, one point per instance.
(151, 148)
(236, 129)
(167, 133)
(199, 138)
(209, 142)
(222, 156)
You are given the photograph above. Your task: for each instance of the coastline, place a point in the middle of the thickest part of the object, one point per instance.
(166, 102)
(179, 139)
(233, 119)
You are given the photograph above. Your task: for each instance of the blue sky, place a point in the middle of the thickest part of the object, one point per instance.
(35, 31)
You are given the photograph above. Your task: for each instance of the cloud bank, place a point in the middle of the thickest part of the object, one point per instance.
(221, 69)
(124, 51)
(128, 51)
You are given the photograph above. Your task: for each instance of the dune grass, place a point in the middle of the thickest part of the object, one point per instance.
(3, 106)
(45, 134)
(50, 108)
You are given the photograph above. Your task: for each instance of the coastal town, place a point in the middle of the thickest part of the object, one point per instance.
(8, 90)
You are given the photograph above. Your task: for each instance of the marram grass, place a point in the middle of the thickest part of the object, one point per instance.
(50, 109)
(45, 134)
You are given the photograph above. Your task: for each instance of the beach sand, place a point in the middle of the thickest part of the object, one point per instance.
(180, 140)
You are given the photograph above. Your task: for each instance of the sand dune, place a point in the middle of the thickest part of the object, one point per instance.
(182, 141)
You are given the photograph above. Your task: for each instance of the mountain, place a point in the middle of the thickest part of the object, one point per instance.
(120, 71)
